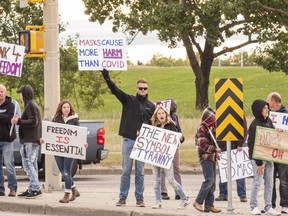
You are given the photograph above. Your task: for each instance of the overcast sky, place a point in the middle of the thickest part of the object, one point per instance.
(143, 47)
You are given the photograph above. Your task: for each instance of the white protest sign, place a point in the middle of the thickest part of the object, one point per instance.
(280, 120)
(11, 59)
(156, 146)
(241, 166)
(64, 140)
(166, 104)
(100, 53)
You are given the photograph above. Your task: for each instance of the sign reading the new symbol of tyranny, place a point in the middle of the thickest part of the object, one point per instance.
(156, 146)
(100, 53)
(229, 109)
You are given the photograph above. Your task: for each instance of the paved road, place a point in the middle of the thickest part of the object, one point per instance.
(99, 193)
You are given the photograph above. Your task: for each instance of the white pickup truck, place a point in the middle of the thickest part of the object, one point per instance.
(94, 153)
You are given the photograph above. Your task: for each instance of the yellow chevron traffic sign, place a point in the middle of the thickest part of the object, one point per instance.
(229, 109)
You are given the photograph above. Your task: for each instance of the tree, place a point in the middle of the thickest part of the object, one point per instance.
(201, 25)
(75, 85)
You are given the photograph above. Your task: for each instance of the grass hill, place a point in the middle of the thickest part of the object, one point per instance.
(179, 83)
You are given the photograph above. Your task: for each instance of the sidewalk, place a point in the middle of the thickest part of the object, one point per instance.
(98, 197)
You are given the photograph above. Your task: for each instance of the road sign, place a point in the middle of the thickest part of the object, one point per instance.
(229, 109)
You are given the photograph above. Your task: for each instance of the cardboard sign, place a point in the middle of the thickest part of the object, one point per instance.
(156, 146)
(241, 166)
(271, 145)
(100, 53)
(64, 140)
(166, 104)
(11, 59)
(280, 120)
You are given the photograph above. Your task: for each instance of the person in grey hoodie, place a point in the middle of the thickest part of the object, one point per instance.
(30, 134)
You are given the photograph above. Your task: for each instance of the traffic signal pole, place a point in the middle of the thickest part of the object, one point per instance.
(51, 82)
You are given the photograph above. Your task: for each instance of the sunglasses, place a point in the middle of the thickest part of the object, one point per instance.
(142, 88)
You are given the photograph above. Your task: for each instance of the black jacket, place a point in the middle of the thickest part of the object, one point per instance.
(259, 120)
(6, 114)
(30, 124)
(136, 110)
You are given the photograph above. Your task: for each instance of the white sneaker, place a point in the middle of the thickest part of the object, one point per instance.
(271, 211)
(255, 211)
(284, 210)
(184, 203)
(157, 205)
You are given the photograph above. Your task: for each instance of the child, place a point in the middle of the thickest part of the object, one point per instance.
(261, 169)
(162, 119)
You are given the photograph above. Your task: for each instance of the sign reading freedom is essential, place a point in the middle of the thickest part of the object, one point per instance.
(156, 146)
(241, 166)
(229, 109)
(100, 53)
(271, 145)
(64, 140)
(11, 59)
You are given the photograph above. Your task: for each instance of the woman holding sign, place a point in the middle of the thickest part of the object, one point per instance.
(162, 119)
(65, 114)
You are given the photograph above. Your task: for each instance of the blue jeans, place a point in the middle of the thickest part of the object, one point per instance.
(241, 188)
(206, 193)
(65, 165)
(6, 154)
(29, 152)
(268, 185)
(170, 177)
(127, 163)
(283, 187)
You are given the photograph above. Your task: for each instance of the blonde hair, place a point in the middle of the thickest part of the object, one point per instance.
(155, 121)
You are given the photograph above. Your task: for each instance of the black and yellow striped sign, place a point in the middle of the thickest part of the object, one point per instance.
(229, 109)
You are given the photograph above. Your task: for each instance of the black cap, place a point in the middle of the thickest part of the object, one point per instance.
(21, 89)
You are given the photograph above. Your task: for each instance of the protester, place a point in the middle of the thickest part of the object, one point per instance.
(29, 134)
(7, 110)
(261, 169)
(162, 119)
(65, 114)
(176, 159)
(241, 183)
(280, 170)
(208, 153)
(135, 111)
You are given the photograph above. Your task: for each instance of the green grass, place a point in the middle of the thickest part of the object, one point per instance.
(179, 83)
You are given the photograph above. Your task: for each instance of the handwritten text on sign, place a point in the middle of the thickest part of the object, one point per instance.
(166, 104)
(100, 53)
(271, 145)
(11, 59)
(64, 140)
(240, 165)
(156, 146)
(280, 120)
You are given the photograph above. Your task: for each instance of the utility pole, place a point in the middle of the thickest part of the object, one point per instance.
(51, 81)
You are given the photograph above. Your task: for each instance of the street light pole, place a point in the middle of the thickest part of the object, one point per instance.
(51, 81)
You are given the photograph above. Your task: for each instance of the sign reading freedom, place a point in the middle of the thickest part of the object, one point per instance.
(271, 145)
(64, 140)
(156, 146)
(11, 59)
(240, 165)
